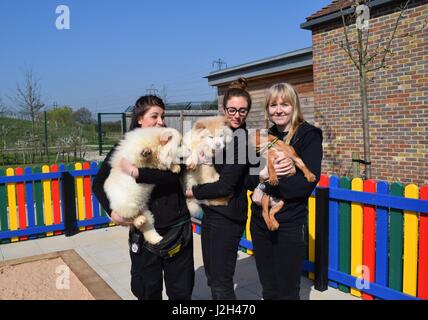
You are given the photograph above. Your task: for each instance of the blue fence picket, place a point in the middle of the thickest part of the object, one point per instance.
(62, 168)
(382, 238)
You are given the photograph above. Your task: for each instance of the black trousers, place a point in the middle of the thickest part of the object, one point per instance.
(279, 258)
(149, 270)
(220, 238)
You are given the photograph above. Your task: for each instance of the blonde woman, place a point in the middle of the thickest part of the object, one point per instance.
(280, 254)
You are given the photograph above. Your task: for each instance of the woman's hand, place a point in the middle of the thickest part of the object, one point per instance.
(257, 196)
(127, 167)
(119, 220)
(204, 159)
(189, 193)
(264, 175)
(283, 165)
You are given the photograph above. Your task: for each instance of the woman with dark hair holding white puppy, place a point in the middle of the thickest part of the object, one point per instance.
(150, 267)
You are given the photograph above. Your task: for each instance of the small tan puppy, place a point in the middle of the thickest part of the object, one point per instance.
(268, 147)
(155, 148)
(208, 136)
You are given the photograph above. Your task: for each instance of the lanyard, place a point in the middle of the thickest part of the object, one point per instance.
(270, 145)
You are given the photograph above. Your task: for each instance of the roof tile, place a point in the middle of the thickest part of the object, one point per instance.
(336, 5)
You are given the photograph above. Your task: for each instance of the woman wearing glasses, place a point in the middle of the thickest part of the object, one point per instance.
(279, 254)
(222, 226)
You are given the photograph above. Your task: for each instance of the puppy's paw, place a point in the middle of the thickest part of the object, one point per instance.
(175, 168)
(310, 177)
(191, 166)
(139, 221)
(274, 225)
(273, 181)
(152, 237)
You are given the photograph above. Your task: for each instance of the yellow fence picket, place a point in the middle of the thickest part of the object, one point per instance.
(410, 255)
(356, 235)
(247, 228)
(47, 200)
(11, 201)
(311, 230)
(80, 198)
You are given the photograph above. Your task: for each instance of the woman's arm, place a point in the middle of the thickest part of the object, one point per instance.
(156, 176)
(225, 186)
(230, 176)
(98, 183)
(149, 175)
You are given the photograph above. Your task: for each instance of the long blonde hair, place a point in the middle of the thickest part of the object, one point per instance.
(286, 92)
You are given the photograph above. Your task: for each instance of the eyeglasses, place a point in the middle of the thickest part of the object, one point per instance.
(232, 111)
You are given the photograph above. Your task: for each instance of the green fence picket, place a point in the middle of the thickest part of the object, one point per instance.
(38, 197)
(345, 233)
(3, 208)
(396, 235)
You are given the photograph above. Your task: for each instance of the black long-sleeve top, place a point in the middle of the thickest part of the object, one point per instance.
(231, 182)
(167, 202)
(294, 190)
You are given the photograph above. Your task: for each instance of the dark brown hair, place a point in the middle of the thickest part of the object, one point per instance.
(237, 89)
(142, 105)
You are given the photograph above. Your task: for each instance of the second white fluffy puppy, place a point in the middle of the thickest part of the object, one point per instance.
(155, 148)
(208, 136)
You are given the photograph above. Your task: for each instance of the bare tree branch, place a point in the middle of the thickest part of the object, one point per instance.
(408, 34)
(376, 52)
(348, 49)
(387, 49)
(28, 97)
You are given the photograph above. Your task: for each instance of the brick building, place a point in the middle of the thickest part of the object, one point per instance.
(293, 67)
(398, 96)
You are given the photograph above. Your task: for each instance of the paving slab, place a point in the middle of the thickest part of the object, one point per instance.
(106, 251)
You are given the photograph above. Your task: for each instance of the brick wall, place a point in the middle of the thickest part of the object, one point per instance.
(398, 99)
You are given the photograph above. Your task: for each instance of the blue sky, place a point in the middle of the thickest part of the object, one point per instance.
(115, 50)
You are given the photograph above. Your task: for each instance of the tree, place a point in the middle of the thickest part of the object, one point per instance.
(28, 98)
(4, 133)
(61, 116)
(365, 59)
(83, 116)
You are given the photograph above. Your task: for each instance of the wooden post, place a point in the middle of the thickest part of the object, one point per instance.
(69, 201)
(321, 238)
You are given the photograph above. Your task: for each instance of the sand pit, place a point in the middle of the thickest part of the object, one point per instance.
(58, 276)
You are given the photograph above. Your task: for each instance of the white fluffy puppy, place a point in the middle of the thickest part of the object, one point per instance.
(145, 148)
(208, 136)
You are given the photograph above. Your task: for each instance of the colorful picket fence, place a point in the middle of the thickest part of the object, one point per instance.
(378, 232)
(378, 238)
(31, 203)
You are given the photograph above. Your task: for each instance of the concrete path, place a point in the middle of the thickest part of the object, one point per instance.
(106, 251)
